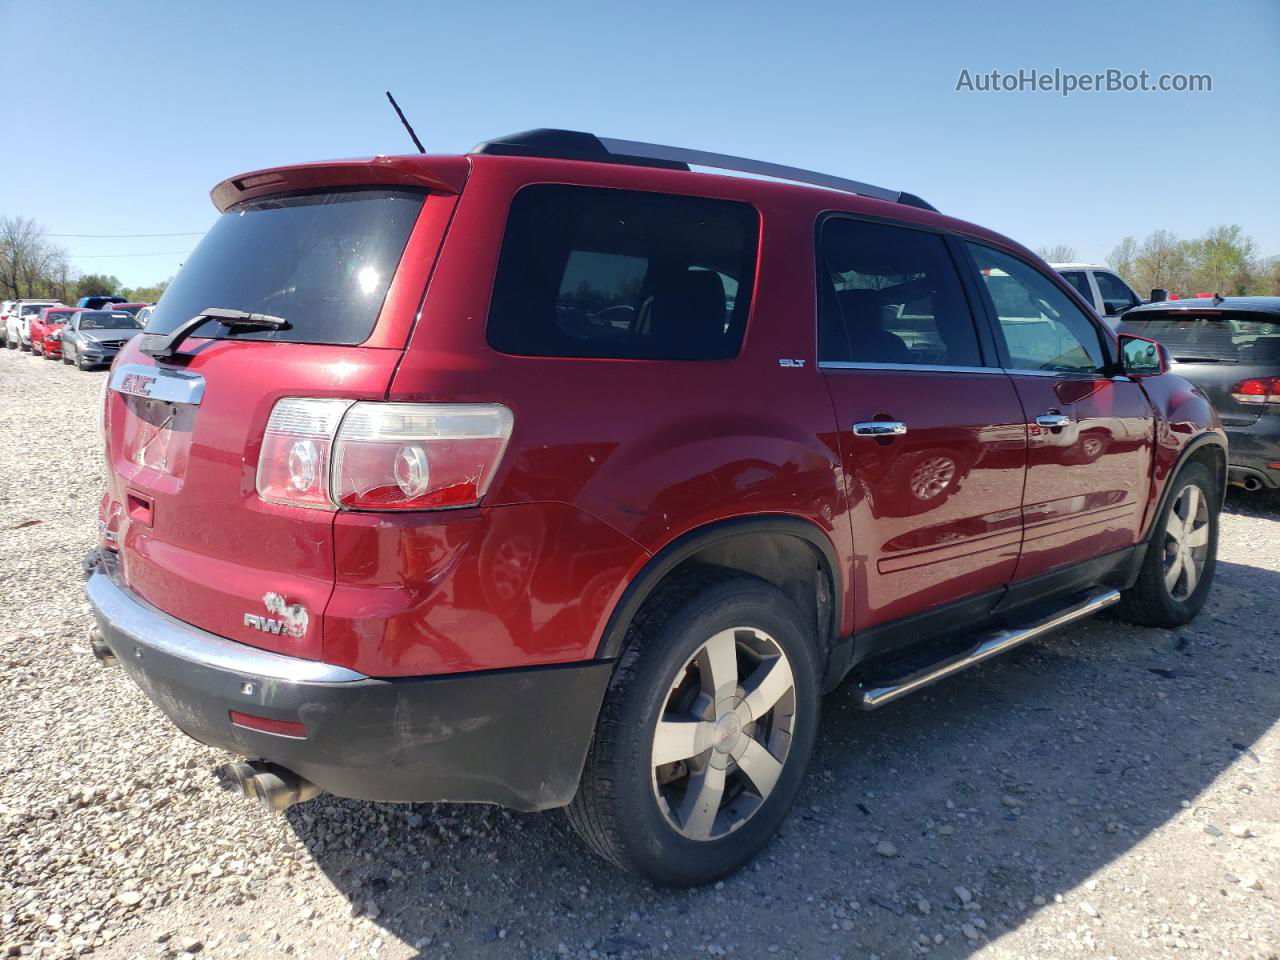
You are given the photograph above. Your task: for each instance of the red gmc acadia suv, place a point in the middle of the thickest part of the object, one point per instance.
(557, 474)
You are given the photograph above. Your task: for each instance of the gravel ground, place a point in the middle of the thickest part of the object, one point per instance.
(1109, 791)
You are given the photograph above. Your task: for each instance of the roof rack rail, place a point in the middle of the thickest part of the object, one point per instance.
(575, 145)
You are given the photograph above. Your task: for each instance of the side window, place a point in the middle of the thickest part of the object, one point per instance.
(588, 272)
(1080, 280)
(891, 295)
(1042, 328)
(1116, 296)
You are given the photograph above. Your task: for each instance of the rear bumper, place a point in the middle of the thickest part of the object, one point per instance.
(1251, 449)
(512, 737)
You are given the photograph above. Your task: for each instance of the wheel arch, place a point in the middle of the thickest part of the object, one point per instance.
(791, 553)
(1208, 448)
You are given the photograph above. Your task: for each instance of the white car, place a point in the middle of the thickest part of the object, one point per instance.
(5, 307)
(1101, 286)
(17, 326)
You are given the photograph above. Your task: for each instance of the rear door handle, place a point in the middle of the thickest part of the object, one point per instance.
(1053, 421)
(879, 428)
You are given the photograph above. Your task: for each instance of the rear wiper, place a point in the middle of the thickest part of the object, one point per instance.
(1205, 360)
(165, 345)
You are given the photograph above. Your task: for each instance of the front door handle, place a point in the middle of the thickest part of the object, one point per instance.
(879, 428)
(1053, 421)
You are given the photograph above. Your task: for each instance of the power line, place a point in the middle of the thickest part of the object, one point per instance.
(112, 256)
(123, 236)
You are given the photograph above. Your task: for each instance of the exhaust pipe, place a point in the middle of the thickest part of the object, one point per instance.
(274, 787)
(101, 650)
(1251, 483)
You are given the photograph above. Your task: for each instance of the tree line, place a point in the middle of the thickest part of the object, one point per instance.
(1223, 260)
(32, 267)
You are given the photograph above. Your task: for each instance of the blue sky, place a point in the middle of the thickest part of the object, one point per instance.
(127, 113)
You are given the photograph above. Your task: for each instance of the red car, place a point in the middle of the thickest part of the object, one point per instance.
(559, 475)
(46, 331)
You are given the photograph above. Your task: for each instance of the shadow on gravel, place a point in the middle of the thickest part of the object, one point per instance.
(1017, 780)
(1265, 504)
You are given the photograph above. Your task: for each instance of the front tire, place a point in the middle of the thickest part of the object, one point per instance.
(1182, 555)
(705, 731)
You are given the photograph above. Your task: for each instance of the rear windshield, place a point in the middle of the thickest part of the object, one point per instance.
(101, 320)
(322, 261)
(28, 308)
(587, 272)
(1221, 338)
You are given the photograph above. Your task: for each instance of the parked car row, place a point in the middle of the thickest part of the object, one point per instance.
(88, 335)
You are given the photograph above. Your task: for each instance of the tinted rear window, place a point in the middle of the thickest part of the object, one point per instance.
(1238, 338)
(610, 273)
(322, 261)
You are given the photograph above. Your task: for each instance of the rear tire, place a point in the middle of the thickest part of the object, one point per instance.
(705, 731)
(1182, 555)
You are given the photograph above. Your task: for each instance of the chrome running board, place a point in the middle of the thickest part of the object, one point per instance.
(989, 645)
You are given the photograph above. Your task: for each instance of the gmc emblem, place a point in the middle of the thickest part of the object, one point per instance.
(137, 384)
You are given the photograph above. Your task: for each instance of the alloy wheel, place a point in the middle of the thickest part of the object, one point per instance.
(1186, 545)
(724, 734)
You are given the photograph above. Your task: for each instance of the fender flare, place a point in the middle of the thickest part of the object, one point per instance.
(685, 546)
(1195, 443)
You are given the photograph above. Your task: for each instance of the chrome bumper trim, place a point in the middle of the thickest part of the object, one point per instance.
(120, 611)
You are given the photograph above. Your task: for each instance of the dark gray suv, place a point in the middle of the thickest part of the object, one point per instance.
(1230, 348)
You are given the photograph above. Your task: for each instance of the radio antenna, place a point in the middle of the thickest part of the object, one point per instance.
(400, 113)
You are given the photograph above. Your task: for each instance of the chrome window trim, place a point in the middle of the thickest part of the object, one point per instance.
(121, 612)
(1071, 374)
(922, 367)
(934, 368)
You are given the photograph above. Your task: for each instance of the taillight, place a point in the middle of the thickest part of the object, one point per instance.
(1257, 390)
(381, 456)
(294, 464)
(410, 456)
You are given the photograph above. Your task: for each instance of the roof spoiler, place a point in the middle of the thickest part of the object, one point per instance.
(442, 174)
(575, 145)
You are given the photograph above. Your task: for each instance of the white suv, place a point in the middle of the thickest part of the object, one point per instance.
(1101, 286)
(17, 326)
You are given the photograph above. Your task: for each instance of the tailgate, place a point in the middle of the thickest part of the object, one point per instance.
(340, 272)
(194, 538)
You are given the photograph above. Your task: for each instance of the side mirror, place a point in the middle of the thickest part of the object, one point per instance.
(1141, 357)
(1159, 295)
